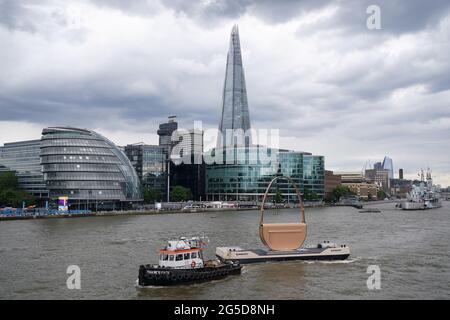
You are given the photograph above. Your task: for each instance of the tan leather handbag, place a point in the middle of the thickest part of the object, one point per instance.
(283, 236)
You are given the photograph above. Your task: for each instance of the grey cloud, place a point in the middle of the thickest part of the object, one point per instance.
(344, 94)
(14, 15)
(397, 17)
(135, 7)
(269, 11)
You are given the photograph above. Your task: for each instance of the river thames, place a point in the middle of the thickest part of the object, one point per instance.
(411, 248)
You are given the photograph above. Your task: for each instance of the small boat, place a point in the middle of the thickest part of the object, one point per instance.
(369, 210)
(181, 261)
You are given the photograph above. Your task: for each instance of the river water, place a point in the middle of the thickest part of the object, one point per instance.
(411, 248)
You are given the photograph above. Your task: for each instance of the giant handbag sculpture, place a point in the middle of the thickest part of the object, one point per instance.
(283, 236)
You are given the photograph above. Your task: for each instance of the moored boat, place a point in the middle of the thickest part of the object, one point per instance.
(181, 261)
(370, 210)
(423, 196)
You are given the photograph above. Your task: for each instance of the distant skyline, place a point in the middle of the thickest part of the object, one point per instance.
(313, 70)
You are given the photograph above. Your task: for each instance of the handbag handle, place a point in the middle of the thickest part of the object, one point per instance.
(302, 210)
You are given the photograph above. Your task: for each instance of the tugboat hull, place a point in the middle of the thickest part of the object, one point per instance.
(150, 275)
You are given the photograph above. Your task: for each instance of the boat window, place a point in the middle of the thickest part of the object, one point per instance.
(179, 257)
(171, 257)
(166, 257)
(161, 256)
(193, 255)
(200, 255)
(186, 256)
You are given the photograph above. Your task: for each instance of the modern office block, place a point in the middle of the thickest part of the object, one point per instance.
(150, 164)
(23, 158)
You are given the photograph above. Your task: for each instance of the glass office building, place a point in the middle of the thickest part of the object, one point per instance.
(150, 163)
(243, 173)
(314, 176)
(23, 158)
(388, 165)
(235, 116)
(88, 169)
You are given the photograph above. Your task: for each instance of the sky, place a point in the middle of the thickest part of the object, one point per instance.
(313, 69)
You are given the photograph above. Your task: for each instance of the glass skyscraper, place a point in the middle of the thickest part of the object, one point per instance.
(235, 119)
(388, 165)
(240, 170)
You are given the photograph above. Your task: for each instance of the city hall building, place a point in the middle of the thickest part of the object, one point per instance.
(79, 165)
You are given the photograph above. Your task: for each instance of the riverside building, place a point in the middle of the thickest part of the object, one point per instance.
(23, 158)
(241, 170)
(88, 169)
(81, 166)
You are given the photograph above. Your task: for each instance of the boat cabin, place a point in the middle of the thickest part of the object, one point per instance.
(182, 254)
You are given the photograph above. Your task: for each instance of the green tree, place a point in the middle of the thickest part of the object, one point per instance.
(278, 197)
(16, 198)
(180, 193)
(8, 180)
(10, 194)
(309, 195)
(151, 195)
(381, 194)
(342, 191)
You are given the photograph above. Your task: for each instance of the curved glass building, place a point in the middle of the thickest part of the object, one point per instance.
(88, 169)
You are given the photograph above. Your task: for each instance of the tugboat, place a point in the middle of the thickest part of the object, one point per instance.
(181, 261)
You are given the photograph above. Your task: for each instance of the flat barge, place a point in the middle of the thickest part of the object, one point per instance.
(325, 252)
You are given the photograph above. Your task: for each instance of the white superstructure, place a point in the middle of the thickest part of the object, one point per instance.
(423, 196)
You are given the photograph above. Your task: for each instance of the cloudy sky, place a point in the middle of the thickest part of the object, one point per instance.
(313, 70)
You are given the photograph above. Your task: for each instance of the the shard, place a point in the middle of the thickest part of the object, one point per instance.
(235, 121)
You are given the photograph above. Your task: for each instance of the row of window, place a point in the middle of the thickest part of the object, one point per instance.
(180, 256)
(84, 184)
(80, 167)
(73, 143)
(78, 158)
(92, 176)
(87, 194)
(75, 150)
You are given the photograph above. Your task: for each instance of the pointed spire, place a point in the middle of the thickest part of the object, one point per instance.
(235, 29)
(235, 114)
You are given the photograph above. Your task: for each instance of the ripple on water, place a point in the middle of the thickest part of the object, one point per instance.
(412, 251)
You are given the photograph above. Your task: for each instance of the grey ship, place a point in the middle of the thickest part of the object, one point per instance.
(423, 196)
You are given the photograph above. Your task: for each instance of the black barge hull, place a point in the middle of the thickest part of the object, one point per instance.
(153, 276)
